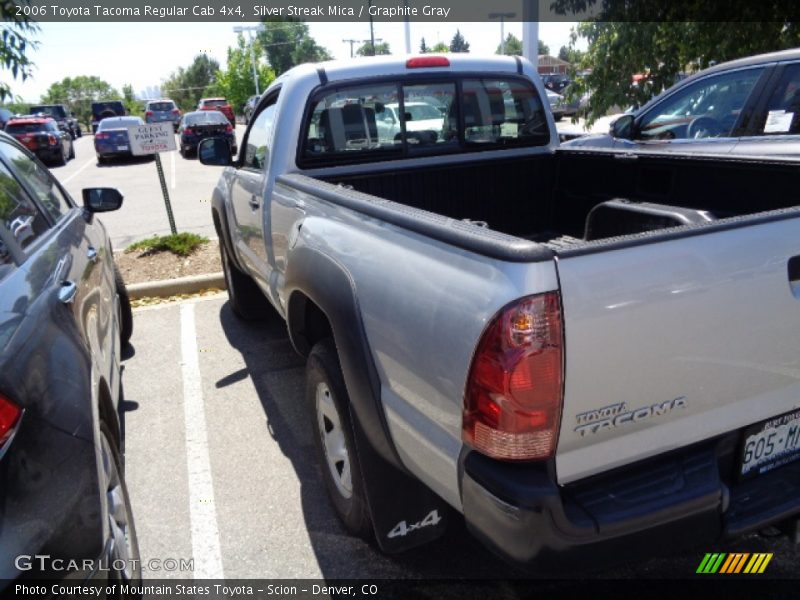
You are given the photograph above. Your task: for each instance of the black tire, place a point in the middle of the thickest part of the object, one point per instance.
(61, 160)
(80, 133)
(126, 313)
(329, 404)
(101, 160)
(124, 546)
(246, 298)
(71, 150)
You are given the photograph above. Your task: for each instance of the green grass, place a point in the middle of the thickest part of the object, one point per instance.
(181, 244)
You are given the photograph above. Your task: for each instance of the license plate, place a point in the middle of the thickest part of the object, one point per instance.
(771, 444)
(122, 148)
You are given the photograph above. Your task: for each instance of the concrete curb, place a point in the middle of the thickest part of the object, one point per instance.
(174, 287)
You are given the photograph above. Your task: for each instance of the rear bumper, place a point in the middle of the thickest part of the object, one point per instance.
(672, 502)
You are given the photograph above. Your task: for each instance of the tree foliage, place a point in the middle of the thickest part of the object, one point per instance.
(187, 85)
(423, 47)
(662, 39)
(132, 105)
(513, 46)
(288, 43)
(78, 93)
(380, 48)
(544, 49)
(440, 48)
(16, 39)
(236, 82)
(458, 43)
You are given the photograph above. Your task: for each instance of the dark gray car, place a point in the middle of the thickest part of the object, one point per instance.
(64, 315)
(746, 106)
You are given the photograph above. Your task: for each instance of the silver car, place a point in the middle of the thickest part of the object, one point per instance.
(160, 111)
(746, 106)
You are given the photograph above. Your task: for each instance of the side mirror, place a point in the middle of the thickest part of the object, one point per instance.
(215, 152)
(101, 199)
(622, 128)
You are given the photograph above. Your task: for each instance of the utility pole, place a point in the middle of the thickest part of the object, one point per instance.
(502, 16)
(407, 26)
(351, 42)
(249, 30)
(371, 28)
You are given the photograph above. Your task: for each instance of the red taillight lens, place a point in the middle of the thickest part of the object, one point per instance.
(175, 111)
(229, 129)
(149, 113)
(188, 131)
(101, 136)
(52, 140)
(514, 394)
(421, 62)
(9, 417)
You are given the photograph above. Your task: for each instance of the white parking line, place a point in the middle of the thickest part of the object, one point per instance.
(172, 169)
(202, 509)
(68, 179)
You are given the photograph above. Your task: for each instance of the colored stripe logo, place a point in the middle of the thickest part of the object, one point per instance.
(734, 563)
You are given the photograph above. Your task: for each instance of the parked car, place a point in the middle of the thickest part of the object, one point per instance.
(64, 316)
(43, 137)
(746, 106)
(249, 107)
(556, 81)
(60, 113)
(164, 110)
(573, 349)
(5, 115)
(103, 110)
(111, 139)
(419, 117)
(199, 125)
(556, 102)
(219, 104)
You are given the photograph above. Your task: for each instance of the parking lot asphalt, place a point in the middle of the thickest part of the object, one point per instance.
(221, 468)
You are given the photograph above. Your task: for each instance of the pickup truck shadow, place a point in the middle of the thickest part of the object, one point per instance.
(278, 374)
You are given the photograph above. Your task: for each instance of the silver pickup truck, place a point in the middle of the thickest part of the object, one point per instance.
(583, 352)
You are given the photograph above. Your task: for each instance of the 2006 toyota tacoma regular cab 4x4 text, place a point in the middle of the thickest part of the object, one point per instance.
(578, 350)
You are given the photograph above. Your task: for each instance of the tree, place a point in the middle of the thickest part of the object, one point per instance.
(236, 82)
(440, 48)
(570, 54)
(544, 49)
(458, 43)
(16, 38)
(663, 39)
(78, 93)
(380, 48)
(513, 46)
(423, 48)
(187, 85)
(288, 43)
(132, 105)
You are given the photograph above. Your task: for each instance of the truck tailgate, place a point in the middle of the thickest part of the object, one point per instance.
(677, 340)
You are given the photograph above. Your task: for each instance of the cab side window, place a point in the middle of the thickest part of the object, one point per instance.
(782, 116)
(256, 150)
(49, 195)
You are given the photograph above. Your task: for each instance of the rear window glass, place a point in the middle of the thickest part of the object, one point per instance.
(221, 102)
(106, 109)
(161, 106)
(18, 128)
(118, 123)
(54, 111)
(211, 117)
(390, 120)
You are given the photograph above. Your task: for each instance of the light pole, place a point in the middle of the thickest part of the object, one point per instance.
(502, 16)
(250, 30)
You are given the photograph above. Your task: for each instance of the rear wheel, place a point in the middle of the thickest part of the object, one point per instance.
(326, 396)
(123, 554)
(126, 313)
(246, 299)
(71, 150)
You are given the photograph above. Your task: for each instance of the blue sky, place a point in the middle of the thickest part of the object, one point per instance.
(143, 54)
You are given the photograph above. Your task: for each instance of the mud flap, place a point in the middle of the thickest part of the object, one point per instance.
(405, 512)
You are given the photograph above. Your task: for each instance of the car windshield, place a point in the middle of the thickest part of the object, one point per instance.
(54, 111)
(119, 123)
(212, 117)
(17, 128)
(161, 106)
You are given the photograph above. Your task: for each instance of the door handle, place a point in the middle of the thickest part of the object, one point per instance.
(254, 203)
(91, 254)
(67, 292)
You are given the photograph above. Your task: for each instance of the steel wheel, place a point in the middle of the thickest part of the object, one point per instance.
(333, 441)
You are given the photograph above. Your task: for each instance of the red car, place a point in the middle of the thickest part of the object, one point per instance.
(42, 136)
(220, 104)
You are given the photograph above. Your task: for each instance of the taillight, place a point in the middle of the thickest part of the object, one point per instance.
(101, 136)
(421, 62)
(229, 129)
(149, 113)
(175, 111)
(52, 139)
(9, 417)
(188, 131)
(514, 394)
